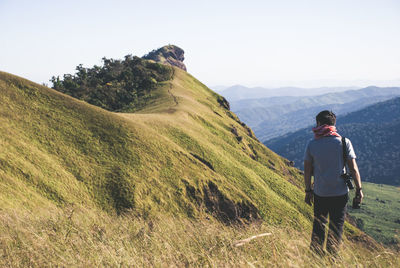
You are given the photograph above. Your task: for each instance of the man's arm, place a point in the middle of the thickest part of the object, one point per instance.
(356, 176)
(307, 181)
(307, 174)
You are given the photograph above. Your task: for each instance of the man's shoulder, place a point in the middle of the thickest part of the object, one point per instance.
(310, 142)
(328, 139)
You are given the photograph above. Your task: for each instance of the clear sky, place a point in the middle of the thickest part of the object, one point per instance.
(254, 43)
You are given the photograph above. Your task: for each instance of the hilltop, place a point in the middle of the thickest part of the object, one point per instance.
(170, 54)
(81, 185)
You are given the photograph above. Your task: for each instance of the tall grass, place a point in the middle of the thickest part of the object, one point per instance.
(79, 237)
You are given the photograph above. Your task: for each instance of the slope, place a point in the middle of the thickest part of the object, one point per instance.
(172, 160)
(374, 133)
(84, 186)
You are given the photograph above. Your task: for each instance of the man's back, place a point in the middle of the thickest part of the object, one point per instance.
(326, 156)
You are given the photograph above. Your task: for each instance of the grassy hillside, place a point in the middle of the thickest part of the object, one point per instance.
(379, 215)
(168, 157)
(84, 186)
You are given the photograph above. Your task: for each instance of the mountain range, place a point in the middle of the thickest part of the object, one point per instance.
(276, 116)
(374, 132)
(239, 92)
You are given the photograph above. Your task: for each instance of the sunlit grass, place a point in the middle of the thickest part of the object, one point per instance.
(75, 236)
(379, 215)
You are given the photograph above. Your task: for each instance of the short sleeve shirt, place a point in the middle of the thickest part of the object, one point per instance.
(326, 156)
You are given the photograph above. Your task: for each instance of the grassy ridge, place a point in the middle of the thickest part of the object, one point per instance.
(86, 186)
(144, 161)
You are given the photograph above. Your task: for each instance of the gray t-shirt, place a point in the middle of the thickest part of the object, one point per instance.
(326, 156)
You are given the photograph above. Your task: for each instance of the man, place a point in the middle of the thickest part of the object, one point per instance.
(323, 159)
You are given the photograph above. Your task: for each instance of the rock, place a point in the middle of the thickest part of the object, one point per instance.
(171, 55)
(223, 102)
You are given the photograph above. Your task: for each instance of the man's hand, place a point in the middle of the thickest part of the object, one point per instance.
(307, 181)
(309, 199)
(359, 196)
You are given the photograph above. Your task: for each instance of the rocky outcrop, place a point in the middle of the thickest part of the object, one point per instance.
(170, 54)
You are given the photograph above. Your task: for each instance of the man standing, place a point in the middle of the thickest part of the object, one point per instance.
(323, 159)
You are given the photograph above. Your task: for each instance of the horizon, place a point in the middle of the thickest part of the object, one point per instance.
(221, 88)
(306, 44)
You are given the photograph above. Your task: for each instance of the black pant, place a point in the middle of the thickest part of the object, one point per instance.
(335, 207)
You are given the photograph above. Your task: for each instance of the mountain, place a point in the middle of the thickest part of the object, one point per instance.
(182, 154)
(275, 116)
(239, 92)
(175, 183)
(374, 132)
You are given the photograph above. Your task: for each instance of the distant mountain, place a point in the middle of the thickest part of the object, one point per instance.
(374, 132)
(239, 92)
(276, 116)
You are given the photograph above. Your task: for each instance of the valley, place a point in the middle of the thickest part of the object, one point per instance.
(379, 213)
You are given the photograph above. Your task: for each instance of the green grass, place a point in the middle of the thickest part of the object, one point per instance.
(69, 151)
(83, 186)
(379, 215)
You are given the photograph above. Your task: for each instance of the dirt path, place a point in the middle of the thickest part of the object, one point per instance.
(172, 95)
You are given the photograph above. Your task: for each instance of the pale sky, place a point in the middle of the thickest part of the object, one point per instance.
(254, 43)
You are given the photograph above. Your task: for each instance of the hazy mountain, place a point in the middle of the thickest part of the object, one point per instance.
(374, 132)
(275, 116)
(239, 92)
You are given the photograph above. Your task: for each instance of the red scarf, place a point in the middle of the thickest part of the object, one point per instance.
(325, 130)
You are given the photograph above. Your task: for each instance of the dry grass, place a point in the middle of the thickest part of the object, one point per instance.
(84, 238)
